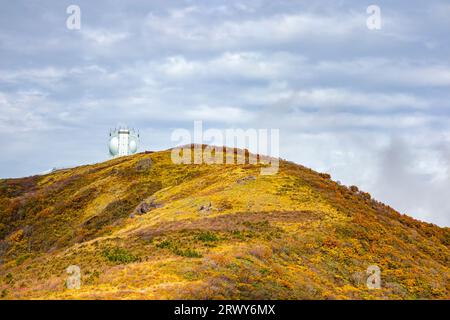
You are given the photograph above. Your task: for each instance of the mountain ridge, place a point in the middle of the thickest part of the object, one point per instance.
(143, 227)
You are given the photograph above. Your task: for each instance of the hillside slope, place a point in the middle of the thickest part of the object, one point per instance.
(142, 227)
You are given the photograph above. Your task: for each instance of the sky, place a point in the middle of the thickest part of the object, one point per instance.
(369, 106)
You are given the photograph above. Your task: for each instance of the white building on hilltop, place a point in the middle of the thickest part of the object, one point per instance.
(123, 142)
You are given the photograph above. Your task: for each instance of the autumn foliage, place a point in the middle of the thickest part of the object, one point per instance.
(210, 232)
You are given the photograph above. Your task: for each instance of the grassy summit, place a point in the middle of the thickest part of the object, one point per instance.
(143, 227)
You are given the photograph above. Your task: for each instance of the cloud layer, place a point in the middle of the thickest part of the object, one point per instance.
(371, 107)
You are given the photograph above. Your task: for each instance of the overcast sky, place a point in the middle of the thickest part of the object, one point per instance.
(370, 107)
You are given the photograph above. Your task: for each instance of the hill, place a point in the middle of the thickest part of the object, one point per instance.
(142, 227)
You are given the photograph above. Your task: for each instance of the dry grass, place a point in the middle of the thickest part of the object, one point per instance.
(221, 232)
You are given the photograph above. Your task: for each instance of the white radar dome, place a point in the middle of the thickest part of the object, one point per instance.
(133, 146)
(114, 146)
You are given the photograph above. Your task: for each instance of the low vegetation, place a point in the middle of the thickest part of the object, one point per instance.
(210, 232)
(119, 255)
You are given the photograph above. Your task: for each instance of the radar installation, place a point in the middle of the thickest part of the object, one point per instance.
(123, 142)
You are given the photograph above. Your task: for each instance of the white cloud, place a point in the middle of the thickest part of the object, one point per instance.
(337, 90)
(103, 37)
(46, 75)
(184, 26)
(231, 64)
(402, 184)
(25, 111)
(287, 66)
(387, 71)
(218, 114)
(332, 99)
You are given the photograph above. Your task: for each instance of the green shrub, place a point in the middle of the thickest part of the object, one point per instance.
(92, 278)
(164, 244)
(9, 279)
(190, 253)
(173, 247)
(21, 259)
(207, 236)
(119, 255)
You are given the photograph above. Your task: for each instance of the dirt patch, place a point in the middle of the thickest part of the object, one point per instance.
(230, 222)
